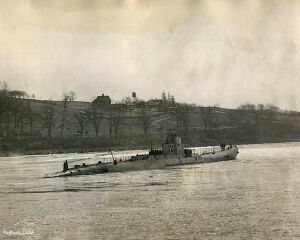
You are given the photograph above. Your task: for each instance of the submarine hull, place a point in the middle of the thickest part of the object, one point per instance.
(152, 162)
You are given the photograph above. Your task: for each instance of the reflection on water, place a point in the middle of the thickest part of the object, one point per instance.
(254, 197)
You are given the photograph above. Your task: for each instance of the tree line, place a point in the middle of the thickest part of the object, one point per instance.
(14, 107)
(17, 107)
(18, 112)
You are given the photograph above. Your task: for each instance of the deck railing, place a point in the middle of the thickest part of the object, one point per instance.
(110, 159)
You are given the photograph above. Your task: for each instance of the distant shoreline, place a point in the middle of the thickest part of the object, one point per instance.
(106, 149)
(138, 126)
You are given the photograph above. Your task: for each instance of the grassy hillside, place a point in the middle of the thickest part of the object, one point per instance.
(142, 126)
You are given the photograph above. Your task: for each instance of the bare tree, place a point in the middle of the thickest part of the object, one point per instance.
(96, 118)
(48, 117)
(114, 121)
(126, 100)
(177, 115)
(110, 120)
(67, 97)
(183, 117)
(22, 116)
(18, 108)
(1, 112)
(29, 114)
(234, 118)
(16, 111)
(110, 128)
(4, 88)
(116, 125)
(5, 105)
(291, 123)
(260, 107)
(169, 97)
(247, 107)
(19, 113)
(65, 100)
(207, 117)
(3, 101)
(72, 96)
(146, 120)
(82, 120)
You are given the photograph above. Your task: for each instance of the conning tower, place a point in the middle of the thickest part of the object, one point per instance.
(172, 144)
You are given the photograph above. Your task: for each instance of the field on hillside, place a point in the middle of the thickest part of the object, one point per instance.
(147, 126)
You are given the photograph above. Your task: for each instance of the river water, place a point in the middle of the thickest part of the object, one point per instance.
(256, 196)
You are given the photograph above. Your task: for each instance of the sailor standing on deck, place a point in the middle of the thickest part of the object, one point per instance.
(66, 167)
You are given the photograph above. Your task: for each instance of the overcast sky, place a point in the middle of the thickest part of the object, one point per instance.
(204, 52)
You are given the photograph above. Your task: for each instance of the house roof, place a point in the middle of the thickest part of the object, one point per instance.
(102, 98)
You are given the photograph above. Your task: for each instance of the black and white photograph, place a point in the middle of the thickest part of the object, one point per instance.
(150, 119)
